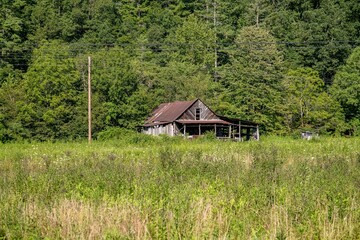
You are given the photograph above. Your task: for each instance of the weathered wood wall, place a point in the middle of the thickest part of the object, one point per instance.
(160, 129)
(206, 113)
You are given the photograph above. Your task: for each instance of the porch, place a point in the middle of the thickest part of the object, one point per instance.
(221, 128)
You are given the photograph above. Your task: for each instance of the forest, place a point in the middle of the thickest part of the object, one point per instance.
(288, 65)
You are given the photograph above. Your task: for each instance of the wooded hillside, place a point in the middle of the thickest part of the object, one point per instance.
(289, 65)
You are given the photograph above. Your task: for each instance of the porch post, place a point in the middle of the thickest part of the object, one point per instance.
(248, 137)
(184, 130)
(240, 131)
(257, 133)
(199, 129)
(230, 131)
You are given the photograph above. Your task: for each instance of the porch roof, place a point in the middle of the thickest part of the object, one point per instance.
(236, 121)
(155, 124)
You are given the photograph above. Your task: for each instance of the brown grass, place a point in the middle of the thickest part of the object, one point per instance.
(331, 225)
(74, 219)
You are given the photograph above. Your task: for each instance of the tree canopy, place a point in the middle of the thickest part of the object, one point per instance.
(288, 65)
(346, 90)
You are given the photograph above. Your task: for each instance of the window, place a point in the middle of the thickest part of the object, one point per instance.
(197, 113)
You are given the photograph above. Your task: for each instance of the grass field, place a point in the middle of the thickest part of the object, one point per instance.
(169, 188)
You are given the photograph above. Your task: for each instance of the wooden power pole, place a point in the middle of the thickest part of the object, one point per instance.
(89, 99)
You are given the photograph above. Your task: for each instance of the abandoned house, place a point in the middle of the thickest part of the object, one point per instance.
(193, 118)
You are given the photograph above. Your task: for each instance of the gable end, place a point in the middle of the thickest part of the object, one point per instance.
(205, 112)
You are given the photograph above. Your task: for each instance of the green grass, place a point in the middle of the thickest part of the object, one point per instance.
(164, 188)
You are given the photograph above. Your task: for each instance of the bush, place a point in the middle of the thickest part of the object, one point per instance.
(115, 133)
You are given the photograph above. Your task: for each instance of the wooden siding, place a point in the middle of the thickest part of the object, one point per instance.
(206, 113)
(167, 129)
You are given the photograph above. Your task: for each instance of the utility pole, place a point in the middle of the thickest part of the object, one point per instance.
(89, 99)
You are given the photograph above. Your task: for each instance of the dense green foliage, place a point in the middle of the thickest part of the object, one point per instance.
(285, 64)
(346, 89)
(168, 188)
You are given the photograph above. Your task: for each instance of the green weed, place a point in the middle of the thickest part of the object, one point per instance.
(161, 188)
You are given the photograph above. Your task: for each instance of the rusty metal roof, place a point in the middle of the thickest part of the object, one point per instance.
(204, 122)
(168, 112)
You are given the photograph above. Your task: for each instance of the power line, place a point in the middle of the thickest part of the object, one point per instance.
(71, 53)
(288, 43)
(71, 50)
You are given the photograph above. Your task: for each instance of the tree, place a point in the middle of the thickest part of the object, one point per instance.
(11, 93)
(103, 22)
(194, 42)
(170, 50)
(252, 83)
(120, 98)
(53, 94)
(258, 11)
(346, 89)
(13, 32)
(307, 105)
(184, 81)
(320, 32)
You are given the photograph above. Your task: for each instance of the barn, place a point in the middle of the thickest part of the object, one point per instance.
(194, 118)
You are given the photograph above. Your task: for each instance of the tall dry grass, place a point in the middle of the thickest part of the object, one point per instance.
(75, 219)
(274, 189)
